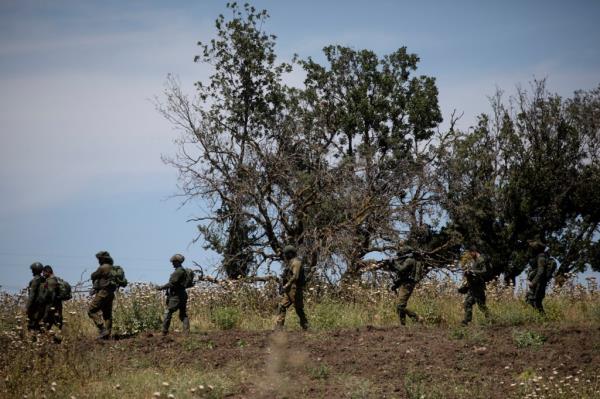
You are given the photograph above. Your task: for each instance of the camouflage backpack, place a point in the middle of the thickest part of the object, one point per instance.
(118, 276)
(189, 278)
(64, 290)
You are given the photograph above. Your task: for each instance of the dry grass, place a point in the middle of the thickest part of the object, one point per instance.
(41, 368)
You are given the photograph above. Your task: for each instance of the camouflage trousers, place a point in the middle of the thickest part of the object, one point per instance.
(404, 292)
(100, 310)
(294, 297)
(535, 296)
(35, 315)
(53, 316)
(475, 295)
(176, 303)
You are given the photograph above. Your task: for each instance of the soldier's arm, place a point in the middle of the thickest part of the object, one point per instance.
(52, 290)
(540, 262)
(479, 269)
(404, 266)
(97, 274)
(33, 292)
(531, 272)
(296, 267)
(174, 280)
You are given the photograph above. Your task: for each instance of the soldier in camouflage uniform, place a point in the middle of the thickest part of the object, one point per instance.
(176, 295)
(475, 269)
(52, 303)
(409, 271)
(292, 287)
(541, 270)
(104, 287)
(35, 308)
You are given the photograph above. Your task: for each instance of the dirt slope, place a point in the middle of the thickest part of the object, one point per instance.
(492, 362)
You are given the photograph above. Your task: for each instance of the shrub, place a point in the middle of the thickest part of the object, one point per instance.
(525, 339)
(225, 317)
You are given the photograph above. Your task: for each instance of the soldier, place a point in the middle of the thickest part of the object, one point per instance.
(35, 309)
(474, 265)
(103, 290)
(409, 272)
(176, 295)
(292, 286)
(541, 270)
(50, 297)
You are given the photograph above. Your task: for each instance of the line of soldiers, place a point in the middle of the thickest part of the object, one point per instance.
(44, 305)
(409, 269)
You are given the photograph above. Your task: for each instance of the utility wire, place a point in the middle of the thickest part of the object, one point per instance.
(32, 256)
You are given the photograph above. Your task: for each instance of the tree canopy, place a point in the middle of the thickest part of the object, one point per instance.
(355, 161)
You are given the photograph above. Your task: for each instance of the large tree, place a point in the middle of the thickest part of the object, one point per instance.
(247, 149)
(377, 117)
(530, 169)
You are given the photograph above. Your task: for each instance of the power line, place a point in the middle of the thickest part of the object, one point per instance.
(32, 256)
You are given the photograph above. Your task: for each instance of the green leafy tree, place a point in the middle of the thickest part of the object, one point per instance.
(527, 171)
(377, 117)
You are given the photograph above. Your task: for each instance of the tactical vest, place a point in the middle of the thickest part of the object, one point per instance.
(288, 273)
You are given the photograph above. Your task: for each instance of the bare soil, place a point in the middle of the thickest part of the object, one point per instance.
(372, 362)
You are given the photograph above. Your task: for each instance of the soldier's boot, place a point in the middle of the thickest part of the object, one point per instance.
(97, 319)
(280, 320)
(102, 333)
(486, 312)
(186, 325)
(166, 323)
(414, 316)
(303, 322)
(108, 328)
(542, 310)
(401, 314)
(468, 317)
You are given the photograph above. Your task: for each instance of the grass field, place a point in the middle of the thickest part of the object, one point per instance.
(354, 348)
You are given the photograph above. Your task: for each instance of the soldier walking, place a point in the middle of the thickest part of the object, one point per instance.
(408, 272)
(541, 271)
(292, 287)
(52, 302)
(104, 287)
(176, 295)
(475, 270)
(34, 307)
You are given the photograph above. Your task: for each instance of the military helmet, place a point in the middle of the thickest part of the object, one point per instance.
(103, 255)
(289, 249)
(177, 258)
(537, 242)
(404, 249)
(36, 267)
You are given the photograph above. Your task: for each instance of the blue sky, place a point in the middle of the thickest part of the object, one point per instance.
(81, 142)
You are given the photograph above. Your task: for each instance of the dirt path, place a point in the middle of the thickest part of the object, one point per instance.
(488, 362)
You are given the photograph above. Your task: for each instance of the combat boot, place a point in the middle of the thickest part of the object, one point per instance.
(104, 333)
(186, 325)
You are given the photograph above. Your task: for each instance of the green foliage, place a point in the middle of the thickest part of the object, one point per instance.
(225, 317)
(430, 311)
(320, 372)
(515, 176)
(526, 338)
(138, 310)
(471, 336)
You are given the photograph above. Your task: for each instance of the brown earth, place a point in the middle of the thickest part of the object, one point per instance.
(492, 362)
